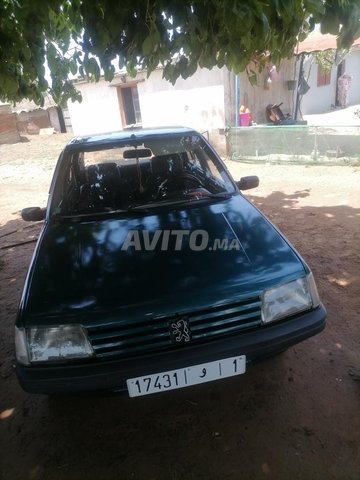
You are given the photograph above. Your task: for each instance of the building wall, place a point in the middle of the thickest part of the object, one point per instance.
(196, 102)
(31, 122)
(257, 97)
(8, 128)
(352, 67)
(99, 110)
(321, 99)
(54, 118)
(5, 108)
(67, 120)
(317, 99)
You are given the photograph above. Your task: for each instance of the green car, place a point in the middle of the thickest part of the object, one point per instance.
(153, 271)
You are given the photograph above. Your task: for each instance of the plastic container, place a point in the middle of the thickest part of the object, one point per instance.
(244, 119)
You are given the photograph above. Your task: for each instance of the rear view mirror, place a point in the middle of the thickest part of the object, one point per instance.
(246, 183)
(33, 214)
(138, 153)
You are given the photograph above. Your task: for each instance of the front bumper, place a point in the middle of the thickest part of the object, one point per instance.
(112, 375)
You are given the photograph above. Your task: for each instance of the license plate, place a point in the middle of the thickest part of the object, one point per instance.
(185, 377)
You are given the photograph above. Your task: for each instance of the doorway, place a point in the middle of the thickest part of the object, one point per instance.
(340, 71)
(129, 105)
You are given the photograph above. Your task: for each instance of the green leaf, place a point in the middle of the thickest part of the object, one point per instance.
(315, 6)
(150, 43)
(85, 37)
(92, 68)
(109, 73)
(8, 84)
(73, 67)
(52, 57)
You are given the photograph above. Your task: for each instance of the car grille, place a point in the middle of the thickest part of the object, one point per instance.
(124, 339)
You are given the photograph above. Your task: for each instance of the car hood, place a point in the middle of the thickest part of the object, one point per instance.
(81, 268)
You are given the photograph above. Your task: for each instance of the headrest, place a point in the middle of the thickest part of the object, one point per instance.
(103, 171)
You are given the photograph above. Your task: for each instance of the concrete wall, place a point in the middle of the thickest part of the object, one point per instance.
(31, 122)
(54, 119)
(8, 128)
(196, 102)
(321, 99)
(67, 120)
(99, 110)
(352, 67)
(317, 99)
(256, 98)
(5, 108)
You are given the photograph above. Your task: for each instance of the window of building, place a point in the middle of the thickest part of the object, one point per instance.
(323, 78)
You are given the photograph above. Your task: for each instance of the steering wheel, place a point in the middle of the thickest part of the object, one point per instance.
(178, 180)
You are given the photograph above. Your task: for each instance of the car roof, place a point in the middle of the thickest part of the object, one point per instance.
(131, 134)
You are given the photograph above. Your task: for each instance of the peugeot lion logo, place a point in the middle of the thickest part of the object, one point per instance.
(180, 331)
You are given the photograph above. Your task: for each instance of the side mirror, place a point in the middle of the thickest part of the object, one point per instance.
(245, 183)
(33, 214)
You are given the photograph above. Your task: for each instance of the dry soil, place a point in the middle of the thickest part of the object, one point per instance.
(296, 416)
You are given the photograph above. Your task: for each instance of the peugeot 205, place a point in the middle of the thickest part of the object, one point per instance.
(154, 272)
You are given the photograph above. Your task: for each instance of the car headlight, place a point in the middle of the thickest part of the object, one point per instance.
(49, 344)
(288, 299)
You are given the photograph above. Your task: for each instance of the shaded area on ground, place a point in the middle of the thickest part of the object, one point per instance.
(294, 416)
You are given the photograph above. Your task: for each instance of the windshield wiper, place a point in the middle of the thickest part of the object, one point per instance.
(148, 207)
(216, 195)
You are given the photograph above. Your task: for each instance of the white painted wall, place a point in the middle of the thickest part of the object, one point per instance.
(99, 110)
(352, 67)
(196, 102)
(317, 99)
(320, 99)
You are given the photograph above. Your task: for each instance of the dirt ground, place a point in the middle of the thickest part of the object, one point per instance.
(296, 416)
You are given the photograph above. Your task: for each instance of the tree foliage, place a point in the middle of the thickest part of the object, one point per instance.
(94, 37)
(325, 60)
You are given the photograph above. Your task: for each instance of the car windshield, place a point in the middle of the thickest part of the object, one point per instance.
(127, 176)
